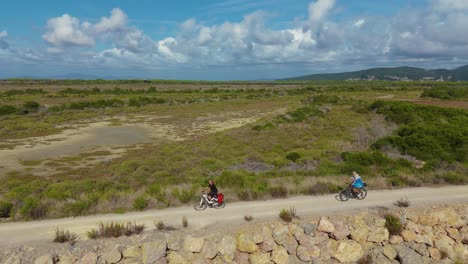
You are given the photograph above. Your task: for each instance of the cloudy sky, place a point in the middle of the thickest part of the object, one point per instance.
(227, 39)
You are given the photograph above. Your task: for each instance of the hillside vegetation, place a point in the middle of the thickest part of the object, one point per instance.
(304, 140)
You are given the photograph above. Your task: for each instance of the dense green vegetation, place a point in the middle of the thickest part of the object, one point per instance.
(314, 136)
(444, 92)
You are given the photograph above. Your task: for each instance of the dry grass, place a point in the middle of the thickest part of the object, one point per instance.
(288, 214)
(403, 202)
(62, 236)
(185, 222)
(113, 229)
(248, 218)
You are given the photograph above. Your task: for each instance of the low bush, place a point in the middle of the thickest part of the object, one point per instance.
(323, 188)
(293, 156)
(278, 191)
(115, 230)
(159, 225)
(140, 203)
(62, 236)
(5, 209)
(288, 214)
(402, 202)
(32, 208)
(184, 222)
(444, 92)
(184, 195)
(248, 218)
(7, 110)
(77, 208)
(393, 224)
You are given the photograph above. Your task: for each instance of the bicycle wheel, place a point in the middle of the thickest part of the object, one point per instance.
(344, 195)
(362, 194)
(200, 206)
(219, 206)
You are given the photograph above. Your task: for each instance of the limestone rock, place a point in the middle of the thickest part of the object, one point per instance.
(280, 232)
(309, 228)
(378, 235)
(395, 240)
(67, 259)
(268, 243)
(412, 226)
(174, 241)
(245, 243)
(380, 222)
(360, 233)
(154, 250)
(325, 225)
(279, 255)
(341, 230)
(175, 258)
(408, 256)
(199, 260)
(308, 254)
(132, 252)
(227, 248)
(449, 216)
(46, 259)
(241, 257)
(461, 252)
(193, 244)
(290, 244)
(88, 258)
(389, 252)
(13, 260)
(112, 256)
(445, 247)
(209, 250)
(408, 235)
(348, 251)
(434, 253)
(425, 239)
(420, 248)
(454, 234)
(259, 258)
(295, 230)
(306, 241)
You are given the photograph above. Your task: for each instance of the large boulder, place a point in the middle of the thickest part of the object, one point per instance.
(241, 257)
(174, 241)
(88, 258)
(175, 258)
(444, 247)
(325, 225)
(389, 252)
(46, 259)
(348, 251)
(360, 233)
(395, 239)
(67, 259)
(341, 230)
(112, 256)
(412, 226)
(408, 256)
(309, 228)
(308, 253)
(454, 234)
(409, 235)
(279, 255)
(290, 244)
(260, 258)
(153, 251)
(378, 235)
(295, 230)
(209, 250)
(280, 232)
(227, 248)
(132, 252)
(14, 260)
(448, 216)
(434, 253)
(193, 244)
(246, 243)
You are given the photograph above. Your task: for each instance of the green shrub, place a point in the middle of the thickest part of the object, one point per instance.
(323, 188)
(293, 156)
(5, 209)
(113, 229)
(140, 203)
(184, 222)
(7, 110)
(184, 195)
(77, 208)
(278, 191)
(31, 105)
(393, 224)
(62, 236)
(32, 209)
(288, 214)
(444, 92)
(248, 218)
(454, 178)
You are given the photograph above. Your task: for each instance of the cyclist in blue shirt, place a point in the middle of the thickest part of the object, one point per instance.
(356, 183)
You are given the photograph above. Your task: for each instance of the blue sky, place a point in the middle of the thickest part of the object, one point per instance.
(227, 40)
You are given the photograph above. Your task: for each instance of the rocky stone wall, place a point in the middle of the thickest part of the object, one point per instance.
(432, 235)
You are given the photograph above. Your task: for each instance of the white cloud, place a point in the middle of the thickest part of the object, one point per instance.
(117, 21)
(3, 43)
(359, 23)
(450, 5)
(67, 31)
(319, 10)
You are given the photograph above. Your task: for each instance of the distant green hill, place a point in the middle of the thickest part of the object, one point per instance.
(395, 73)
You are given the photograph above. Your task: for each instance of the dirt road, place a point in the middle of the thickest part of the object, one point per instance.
(233, 213)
